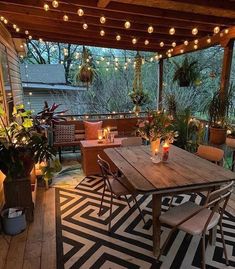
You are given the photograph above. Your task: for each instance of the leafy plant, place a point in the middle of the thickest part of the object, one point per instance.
(218, 108)
(139, 98)
(186, 73)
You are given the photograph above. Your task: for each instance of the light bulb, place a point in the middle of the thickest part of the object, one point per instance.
(55, 4)
(196, 41)
(226, 31)
(127, 24)
(84, 26)
(181, 51)
(169, 55)
(194, 31)
(17, 29)
(172, 31)
(173, 44)
(30, 37)
(14, 26)
(162, 44)
(102, 32)
(65, 18)
(46, 7)
(134, 40)
(146, 42)
(80, 12)
(216, 30)
(186, 42)
(102, 19)
(150, 29)
(195, 47)
(26, 32)
(5, 21)
(118, 37)
(2, 18)
(40, 40)
(160, 56)
(208, 40)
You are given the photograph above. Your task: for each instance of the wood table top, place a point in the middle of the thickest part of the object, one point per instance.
(183, 169)
(94, 143)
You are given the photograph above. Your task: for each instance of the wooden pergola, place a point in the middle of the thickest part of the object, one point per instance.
(167, 27)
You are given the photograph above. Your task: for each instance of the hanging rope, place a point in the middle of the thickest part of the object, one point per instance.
(137, 83)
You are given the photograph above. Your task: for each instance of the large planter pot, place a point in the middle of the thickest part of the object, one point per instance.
(217, 135)
(14, 225)
(18, 193)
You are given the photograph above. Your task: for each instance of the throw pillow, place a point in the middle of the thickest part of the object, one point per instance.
(91, 129)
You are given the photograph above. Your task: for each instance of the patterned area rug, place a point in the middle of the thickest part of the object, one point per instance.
(83, 240)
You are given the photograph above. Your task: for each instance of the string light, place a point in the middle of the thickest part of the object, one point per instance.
(146, 42)
(127, 24)
(221, 34)
(196, 41)
(181, 51)
(169, 55)
(14, 26)
(156, 57)
(195, 47)
(162, 44)
(118, 37)
(160, 56)
(173, 44)
(30, 37)
(84, 26)
(5, 21)
(40, 40)
(102, 19)
(65, 17)
(80, 12)
(2, 18)
(55, 3)
(226, 31)
(172, 31)
(208, 40)
(150, 29)
(216, 30)
(102, 32)
(26, 32)
(194, 31)
(134, 41)
(46, 7)
(17, 29)
(186, 42)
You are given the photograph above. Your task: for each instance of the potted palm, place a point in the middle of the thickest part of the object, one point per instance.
(218, 108)
(186, 73)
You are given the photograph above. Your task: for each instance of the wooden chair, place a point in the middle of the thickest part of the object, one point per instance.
(132, 141)
(210, 153)
(197, 220)
(118, 186)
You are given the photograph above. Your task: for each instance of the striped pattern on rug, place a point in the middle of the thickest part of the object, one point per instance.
(83, 240)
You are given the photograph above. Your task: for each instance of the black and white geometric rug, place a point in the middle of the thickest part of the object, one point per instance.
(83, 240)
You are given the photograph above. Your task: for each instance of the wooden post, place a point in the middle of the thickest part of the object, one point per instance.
(160, 84)
(226, 70)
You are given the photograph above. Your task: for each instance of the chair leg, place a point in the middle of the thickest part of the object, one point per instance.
(127, 201)
(101, 203)
(165, 243)
(203, 251)
(137, 204)
(111, 208)
(223, 241)
(171, 201)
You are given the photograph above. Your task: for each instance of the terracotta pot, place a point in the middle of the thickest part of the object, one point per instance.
(217, 135)
(230, 141)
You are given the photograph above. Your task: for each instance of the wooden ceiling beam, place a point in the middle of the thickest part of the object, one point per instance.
(203, 44)
(103, 3)
(84, 41)
(181, 6)
(112, 21)
(126, 10)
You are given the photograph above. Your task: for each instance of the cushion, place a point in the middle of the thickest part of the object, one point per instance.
(79, 134)
(64, 133)
(91, 129)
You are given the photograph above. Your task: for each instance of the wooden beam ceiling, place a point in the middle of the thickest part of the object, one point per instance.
(161, 14)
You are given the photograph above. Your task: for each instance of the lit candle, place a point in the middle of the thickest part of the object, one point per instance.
(166, 147)
(165, 153)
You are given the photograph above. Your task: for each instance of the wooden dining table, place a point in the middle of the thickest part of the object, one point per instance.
(183, 172)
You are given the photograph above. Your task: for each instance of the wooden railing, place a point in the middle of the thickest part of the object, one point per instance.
(114, 115)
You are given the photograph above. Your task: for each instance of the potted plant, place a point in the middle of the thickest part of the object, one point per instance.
(186, 73)
(230, 139)
(218, 108)
(138, 98)
(21, 146)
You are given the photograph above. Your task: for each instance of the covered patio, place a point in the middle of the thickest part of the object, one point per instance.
(79, 221)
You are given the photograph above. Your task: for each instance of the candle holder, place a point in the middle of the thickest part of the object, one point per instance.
(156, 158)
(165, 152)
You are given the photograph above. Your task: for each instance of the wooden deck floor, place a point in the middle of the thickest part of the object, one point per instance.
(36, 247)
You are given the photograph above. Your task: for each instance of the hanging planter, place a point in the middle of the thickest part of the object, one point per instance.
(86, 72)
(186, 74)
(137, 95)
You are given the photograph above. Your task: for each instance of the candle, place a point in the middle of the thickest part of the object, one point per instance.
(165, 153)
(166, 147)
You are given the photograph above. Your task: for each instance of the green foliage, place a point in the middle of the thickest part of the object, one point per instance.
(186, 73)
(139, 98)
(50, 169)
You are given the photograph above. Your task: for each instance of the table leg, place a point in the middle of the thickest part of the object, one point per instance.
(212, 236)
(156, 202)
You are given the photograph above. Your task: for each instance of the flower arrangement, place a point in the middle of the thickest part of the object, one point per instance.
(158, 125)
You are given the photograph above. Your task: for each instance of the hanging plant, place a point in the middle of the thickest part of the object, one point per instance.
(86, 72)
(186, 74)
(138, 96)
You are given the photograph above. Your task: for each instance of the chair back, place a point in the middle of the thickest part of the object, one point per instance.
(132, 141)
(105, 170)
(210, 153)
